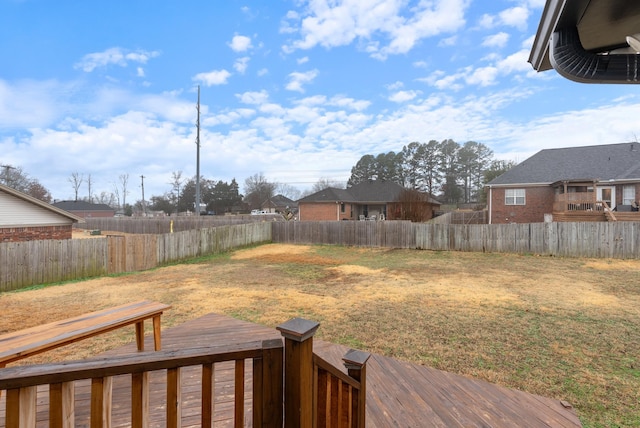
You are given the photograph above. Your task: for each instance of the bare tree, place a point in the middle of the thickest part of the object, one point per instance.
(176, 182)
(258, 190)
(124, 179)
(90, 188)
(76, 181)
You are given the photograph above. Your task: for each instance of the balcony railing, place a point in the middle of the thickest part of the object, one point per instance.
(292, 387)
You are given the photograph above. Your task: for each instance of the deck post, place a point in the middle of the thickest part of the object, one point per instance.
(298, 372)
(356, 364)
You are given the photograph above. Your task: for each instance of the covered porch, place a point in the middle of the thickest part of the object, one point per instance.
(592, 200)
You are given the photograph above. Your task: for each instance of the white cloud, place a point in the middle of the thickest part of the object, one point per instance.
(302, 60)
(483, 76)
(515, 17)
(297, 80)
(117, 56)
(338, 23)
(487, 21)
(253, 97)
(212, 78)
(140, 72)
(263, 72)
(241, 64)
(240, 43)
(403, 96)
(498, 40)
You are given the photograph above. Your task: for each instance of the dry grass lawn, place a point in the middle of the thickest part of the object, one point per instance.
(564, 328)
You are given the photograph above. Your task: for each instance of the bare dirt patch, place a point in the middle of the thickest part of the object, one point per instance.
(566, 328)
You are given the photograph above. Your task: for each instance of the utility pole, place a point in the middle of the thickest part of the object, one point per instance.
(6, 173)
(197, 207)
(144, 208)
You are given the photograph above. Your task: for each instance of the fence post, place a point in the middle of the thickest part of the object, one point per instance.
(298, 372)
(356, 364)
(267, 385)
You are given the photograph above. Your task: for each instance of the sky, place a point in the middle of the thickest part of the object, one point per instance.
(295, 90)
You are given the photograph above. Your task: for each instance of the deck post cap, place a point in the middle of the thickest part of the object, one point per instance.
(298, 329)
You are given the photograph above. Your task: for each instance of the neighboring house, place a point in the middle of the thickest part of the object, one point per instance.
(86, 209)
(24, 218)
(369, 200)
(591, 183)
(279, 204)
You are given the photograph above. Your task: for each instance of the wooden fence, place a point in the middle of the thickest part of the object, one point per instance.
(161, 225)
(38, 262)
(592, 239)
(393, 234)
(23, 264)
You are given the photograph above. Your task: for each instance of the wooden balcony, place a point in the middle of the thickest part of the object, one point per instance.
(584, 207)
(218, 371)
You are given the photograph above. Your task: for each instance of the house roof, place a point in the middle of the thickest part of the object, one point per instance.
(30, 199)
(602, 25)
(589, 41)
(605, 162)
(81, 206)
(280, 201)
(374, 191)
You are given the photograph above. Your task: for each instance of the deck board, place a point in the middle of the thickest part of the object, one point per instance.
(399, 394)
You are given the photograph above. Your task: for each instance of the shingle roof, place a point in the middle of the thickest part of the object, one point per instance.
(604, 163)
(375, 191)
(81, 206)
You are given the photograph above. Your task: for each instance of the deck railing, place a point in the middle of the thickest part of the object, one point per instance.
(21, 384)
(291, 385)
(318, 394)
(577, 201)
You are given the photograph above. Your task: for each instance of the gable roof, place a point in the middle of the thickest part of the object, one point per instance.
(603, 163)
(370, 191)
(39, 204)
(81, 206)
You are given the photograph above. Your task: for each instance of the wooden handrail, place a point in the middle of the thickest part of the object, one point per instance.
(318, 394)
(21, 383)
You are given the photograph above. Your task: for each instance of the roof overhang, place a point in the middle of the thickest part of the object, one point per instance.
(41, 204)
(582, 39)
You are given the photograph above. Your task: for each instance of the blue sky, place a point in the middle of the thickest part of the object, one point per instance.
(295, 89)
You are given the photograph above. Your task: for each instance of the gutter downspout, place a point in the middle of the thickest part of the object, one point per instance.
(573, 62)
(490, 202)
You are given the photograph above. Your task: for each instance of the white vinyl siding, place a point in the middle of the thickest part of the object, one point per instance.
(15, 212)
(514, 197)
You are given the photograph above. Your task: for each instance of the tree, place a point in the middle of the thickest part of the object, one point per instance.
(124, 180)
(258, 190)
(38, 191)
(473, 159)
(412, 205)
(288, 191)
(364, 170)
(162, 203)
(224, 197)
(449, 169)
(16, 178)
(90, 188)
(324, 183)
(176, 182)
(496, 168)
(76, 181)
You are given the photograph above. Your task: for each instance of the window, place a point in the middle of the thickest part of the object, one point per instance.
(514, 197)
(342, 208)
(628, 195)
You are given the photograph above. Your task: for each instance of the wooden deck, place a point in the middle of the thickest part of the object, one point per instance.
(399, 394)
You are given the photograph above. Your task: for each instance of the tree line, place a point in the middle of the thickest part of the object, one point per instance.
(451, 172)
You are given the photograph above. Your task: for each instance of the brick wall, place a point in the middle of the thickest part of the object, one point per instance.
(323, 212)
(538, 202)
(20, 234)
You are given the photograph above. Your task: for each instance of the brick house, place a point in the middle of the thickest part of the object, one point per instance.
(369, 200)
(591, 183)
(24, 218)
